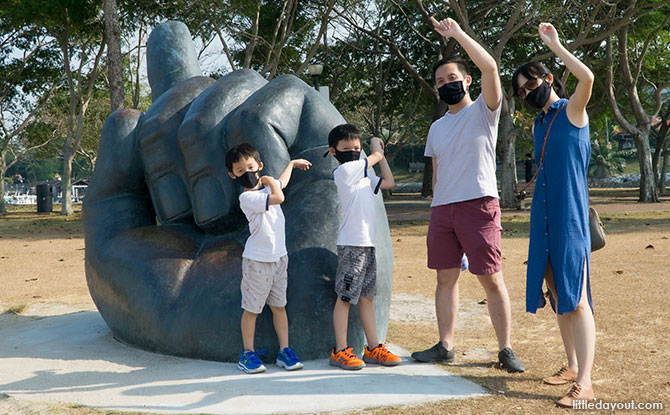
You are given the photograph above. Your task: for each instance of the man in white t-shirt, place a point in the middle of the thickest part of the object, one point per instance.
(264, 260)
(465, 214)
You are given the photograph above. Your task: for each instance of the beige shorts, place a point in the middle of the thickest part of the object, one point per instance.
(264, 282)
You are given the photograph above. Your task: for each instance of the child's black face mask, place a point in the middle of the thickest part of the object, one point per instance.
(248, 179)
(346, 156)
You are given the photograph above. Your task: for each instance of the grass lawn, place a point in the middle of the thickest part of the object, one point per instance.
(42, 260)
(404, 176)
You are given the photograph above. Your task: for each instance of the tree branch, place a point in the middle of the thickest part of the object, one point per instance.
(225, 48)
(645, 48)
(396, 51)
(609, 89)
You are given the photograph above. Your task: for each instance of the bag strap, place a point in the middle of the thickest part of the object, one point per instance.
(544, 145)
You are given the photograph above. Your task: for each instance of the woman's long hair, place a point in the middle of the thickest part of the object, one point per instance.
(532, 70)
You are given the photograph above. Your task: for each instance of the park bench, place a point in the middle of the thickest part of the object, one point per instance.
(416, 166)
(524, 203)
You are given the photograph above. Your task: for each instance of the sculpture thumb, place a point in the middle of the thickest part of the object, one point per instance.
(171, 57)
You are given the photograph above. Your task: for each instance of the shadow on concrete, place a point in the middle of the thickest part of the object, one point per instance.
(74, 358)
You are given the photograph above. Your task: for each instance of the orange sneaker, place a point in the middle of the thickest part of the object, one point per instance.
(381, 355)
(346, 359)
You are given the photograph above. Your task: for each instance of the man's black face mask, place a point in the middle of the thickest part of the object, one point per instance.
(452, 92)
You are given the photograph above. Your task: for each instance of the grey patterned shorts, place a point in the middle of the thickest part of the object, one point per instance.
(356, 273)
(263, 282)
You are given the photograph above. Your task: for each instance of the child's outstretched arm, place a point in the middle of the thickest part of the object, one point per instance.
(386, 174)
(285, 176)
(277, 196)
(376, 151)
(377, 156)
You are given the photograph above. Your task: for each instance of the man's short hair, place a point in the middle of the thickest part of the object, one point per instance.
(460, 63)
(343, 132)
(239, 152)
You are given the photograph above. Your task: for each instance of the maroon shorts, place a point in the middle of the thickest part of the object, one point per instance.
(473, 227)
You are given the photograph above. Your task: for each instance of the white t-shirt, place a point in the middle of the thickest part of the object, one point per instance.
(356, 187)
(465, 147)
(266, 225)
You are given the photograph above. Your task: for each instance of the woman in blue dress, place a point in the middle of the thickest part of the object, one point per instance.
(560, 243)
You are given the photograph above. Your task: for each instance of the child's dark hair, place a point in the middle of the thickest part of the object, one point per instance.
(239, 152)
(531, 70)
(460, 63)
(343, 132)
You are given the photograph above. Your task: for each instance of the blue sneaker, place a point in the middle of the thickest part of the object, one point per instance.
(250, 362)
(288, 359)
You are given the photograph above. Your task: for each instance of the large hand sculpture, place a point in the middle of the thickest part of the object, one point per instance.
(164, 232)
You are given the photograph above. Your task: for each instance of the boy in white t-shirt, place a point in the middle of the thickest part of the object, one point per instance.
(356, 278)
(264, 260)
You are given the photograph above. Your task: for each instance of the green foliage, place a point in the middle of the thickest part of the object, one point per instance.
(370, 86)
(368, 83)
(605, 161)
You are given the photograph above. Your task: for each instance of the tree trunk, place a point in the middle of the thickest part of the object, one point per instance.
(114, 62)
(3, 170)
(647, 179)
(66, 183)
(664, 170)
(508, 174)
(427, 186)
(655, 159)
(661, 139)
(249, 50)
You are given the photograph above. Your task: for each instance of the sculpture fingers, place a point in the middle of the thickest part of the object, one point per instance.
(171, 57)
(281, 120)
(163, 161)
(203, 145)
(117, 197)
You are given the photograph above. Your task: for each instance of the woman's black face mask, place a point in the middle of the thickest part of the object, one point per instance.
(248, 179)
(540, 95)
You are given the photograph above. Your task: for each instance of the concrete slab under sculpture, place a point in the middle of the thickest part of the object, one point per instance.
(164, 232)
(73, 358)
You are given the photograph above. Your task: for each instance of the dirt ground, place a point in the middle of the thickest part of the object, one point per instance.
(41, 264)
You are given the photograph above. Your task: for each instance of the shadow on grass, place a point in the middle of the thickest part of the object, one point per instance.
(40, 226)
(496, 384)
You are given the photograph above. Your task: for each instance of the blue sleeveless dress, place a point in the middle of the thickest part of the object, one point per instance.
(559, 214)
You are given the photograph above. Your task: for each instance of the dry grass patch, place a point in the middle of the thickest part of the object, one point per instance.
(630, 284)
(42, 258)
(17, 309)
